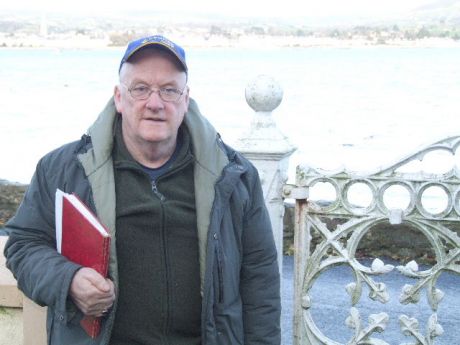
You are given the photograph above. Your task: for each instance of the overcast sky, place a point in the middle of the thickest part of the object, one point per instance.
(250, 8)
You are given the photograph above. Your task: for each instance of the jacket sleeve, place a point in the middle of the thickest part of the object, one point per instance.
(260, 279)
(41, 272)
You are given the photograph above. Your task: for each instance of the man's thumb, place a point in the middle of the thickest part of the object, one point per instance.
(98, 281)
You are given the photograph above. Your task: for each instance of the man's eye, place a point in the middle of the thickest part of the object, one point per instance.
(140, 89)
(170, 91)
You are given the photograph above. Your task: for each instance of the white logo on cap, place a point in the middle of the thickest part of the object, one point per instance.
(160, 39)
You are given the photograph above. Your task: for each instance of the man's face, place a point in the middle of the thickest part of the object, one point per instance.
(151, 121)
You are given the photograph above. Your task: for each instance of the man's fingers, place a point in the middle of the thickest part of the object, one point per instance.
(111, 287)
(97, 280)
(98, 310)
(91, 292)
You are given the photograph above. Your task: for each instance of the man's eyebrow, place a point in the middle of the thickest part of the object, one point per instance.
(138, 81)
(173, 83)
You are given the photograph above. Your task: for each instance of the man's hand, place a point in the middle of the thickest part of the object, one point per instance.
(91, 292)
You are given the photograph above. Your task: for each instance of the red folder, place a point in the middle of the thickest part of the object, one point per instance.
(83, 239)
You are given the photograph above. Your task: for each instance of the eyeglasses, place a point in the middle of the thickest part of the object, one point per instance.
(167, 94)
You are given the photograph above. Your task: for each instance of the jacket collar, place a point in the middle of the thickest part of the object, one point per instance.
(210, 156)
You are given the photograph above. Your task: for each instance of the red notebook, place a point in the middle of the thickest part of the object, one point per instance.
(83, 239)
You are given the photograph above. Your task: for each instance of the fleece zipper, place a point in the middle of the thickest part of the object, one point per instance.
(162, 198)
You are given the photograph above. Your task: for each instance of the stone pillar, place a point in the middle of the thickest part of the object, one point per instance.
(34, 323)
(22, 322)
(268, 149)
(10, 304)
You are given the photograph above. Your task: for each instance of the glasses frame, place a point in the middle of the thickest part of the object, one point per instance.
(156, 90)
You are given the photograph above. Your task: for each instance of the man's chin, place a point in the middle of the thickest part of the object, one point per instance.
(156, 139)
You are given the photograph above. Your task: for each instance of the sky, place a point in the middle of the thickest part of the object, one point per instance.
(244, 8)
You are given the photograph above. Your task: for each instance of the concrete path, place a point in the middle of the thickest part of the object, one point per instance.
(331, 305)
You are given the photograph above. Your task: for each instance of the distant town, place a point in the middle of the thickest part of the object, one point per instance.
(36, 31)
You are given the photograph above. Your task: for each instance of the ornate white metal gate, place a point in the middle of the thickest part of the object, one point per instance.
(339, 246)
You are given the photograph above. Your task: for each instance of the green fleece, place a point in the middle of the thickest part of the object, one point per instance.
(159, 298)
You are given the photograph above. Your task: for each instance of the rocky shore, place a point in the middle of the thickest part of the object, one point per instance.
(243, 41)
(11, 195)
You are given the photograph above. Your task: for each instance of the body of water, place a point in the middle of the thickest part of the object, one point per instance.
(359, 107)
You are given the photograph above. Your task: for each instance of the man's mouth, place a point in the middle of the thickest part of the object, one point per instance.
(154, 119)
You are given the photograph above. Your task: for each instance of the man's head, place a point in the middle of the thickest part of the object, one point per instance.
(152, 96)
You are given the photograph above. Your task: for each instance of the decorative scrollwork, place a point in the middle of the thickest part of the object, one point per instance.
(410, 327)
(411, 293)
(339, 246)
(377, 323)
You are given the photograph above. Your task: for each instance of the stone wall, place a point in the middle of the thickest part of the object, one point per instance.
(10, 198)
(22, 322)
(10, 305)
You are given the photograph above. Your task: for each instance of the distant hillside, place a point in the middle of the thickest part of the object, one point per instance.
(441, 11)
(439, 4)
(440, 19)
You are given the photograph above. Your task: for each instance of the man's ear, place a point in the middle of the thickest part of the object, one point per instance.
(187, 97)
(117, 98)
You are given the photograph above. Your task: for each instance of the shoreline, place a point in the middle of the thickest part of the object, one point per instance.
(247, 42)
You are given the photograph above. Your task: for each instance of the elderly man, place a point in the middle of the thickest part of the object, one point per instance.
(193, 259)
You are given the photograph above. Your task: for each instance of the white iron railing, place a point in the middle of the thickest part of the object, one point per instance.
(359, 214)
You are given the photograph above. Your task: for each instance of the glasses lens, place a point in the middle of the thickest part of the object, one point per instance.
(140, 92)
(170, 94)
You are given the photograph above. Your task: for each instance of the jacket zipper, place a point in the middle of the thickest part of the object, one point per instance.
(220, 273)
(156, 191)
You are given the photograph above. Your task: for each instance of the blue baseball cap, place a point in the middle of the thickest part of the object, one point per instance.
(156, 41)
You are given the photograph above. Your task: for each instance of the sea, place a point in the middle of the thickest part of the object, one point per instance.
(354, 107)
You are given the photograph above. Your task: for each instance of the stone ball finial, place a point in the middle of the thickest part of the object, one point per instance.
(264, 94)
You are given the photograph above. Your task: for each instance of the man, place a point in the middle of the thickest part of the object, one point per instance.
(193, 259)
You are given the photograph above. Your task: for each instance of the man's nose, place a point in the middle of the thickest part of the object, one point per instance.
(154, 101)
